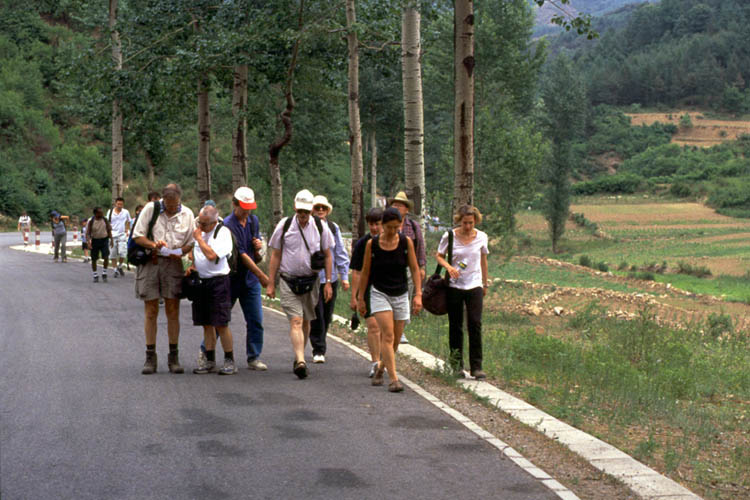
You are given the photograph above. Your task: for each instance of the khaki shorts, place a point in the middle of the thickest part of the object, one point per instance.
(299, 306)
(160, 280)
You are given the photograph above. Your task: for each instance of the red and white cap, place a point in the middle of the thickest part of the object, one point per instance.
(245, 197)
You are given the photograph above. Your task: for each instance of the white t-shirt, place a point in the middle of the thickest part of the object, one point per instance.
(118, 221)
(222, 246)
(295, 258)
(467, 259)
(24, 220)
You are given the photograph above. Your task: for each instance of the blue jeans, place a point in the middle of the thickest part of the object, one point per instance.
(252, 308)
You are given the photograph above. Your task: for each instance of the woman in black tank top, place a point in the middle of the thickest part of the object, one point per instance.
(384, 268)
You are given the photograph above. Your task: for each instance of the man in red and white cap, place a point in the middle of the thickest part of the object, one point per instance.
(247, 282)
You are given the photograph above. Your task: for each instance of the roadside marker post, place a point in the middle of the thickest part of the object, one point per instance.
(38, 241)
(25, 237)
(75, 234)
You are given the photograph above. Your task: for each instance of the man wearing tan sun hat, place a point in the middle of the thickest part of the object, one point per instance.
(340, 271)
(410, 228)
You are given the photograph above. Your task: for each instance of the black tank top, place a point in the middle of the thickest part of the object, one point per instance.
(388, 269)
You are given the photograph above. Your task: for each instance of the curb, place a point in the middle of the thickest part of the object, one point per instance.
(644, 481)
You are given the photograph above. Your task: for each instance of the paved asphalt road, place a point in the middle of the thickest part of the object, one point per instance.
(78, 420)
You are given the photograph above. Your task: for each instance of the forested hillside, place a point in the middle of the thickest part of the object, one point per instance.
(672, 53)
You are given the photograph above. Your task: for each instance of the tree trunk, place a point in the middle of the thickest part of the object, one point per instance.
(355, 129)
(117, 145)
(373, 169)
(413, 109)
(274, 150)
(204, 144)
(463, 117)
(151, 169)
(239, 134)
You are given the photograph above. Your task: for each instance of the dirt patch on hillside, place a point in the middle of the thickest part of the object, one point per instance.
(705, 132)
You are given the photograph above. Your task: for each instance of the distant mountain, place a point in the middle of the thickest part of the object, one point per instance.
(596, 8)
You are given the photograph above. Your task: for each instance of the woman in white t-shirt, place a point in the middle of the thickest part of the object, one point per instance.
(468, 286)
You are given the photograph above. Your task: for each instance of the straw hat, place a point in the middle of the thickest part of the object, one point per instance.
(401, 197)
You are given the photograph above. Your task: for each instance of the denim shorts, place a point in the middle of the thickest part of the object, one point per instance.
(399, 304)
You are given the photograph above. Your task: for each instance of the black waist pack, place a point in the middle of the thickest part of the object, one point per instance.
(300, 285)
(318, 260)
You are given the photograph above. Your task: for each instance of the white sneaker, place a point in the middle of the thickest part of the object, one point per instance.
(404, 340)
(319, 358)
(257, 364)
(373, 367)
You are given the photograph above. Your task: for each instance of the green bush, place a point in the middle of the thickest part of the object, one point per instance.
(603, 267)
(697, 271)
(610, 184)
(585, 261)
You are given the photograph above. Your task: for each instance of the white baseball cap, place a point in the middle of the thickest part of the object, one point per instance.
(245, 197)
(303, 200)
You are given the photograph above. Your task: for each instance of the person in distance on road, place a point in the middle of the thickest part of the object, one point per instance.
(60, 235)
(161, 277)
(467, 288)
(387, 257)
(373, 218)
(212, 308)
(84, 240)
(119, 218)
(294, 243)
(24, 225)
(340, 271)
(98, 239)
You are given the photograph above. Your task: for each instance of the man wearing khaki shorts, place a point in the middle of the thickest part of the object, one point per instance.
(161, 277)
(292, 247)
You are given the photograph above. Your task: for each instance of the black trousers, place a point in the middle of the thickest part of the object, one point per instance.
(472, 301)
(323, 315)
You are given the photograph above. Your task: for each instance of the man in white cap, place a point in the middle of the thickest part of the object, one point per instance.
(340, 272)
(299, 250)
(247, 282)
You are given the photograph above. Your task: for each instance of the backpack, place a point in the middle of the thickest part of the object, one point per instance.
(138, 255)
(233, 259)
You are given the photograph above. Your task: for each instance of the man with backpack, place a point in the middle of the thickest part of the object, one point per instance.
(299, 250)
(98, 239)
(247, 279)
(119, 218)
(168, 236)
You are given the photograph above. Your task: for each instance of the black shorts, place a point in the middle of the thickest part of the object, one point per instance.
(213, 304)
(99, 245)
(84, 246)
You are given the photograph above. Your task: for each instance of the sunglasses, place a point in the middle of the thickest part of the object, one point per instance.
(303, 212)
(320, 207)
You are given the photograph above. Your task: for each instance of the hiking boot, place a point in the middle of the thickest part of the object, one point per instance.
(96, 279)
(173, 362)
(204, 365)
(114, 274)
(104, 278)
(149, 366)
(319, 358)
(300, 369)
(395, 386)
(373, 369)
(228, 368)
(478, 374)
(256, 364)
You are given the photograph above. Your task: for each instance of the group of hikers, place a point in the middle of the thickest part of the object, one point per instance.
(307, 252)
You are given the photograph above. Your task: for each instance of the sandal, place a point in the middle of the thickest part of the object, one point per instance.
(395, 386)
(300, 369)
(377, 379)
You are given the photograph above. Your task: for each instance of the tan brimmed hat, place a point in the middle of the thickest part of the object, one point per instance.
(401, 197)
(322, 200)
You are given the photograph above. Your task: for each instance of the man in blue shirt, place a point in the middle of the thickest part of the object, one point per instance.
(247, 282)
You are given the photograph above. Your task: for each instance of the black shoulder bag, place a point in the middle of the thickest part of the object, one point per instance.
(435, 288)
